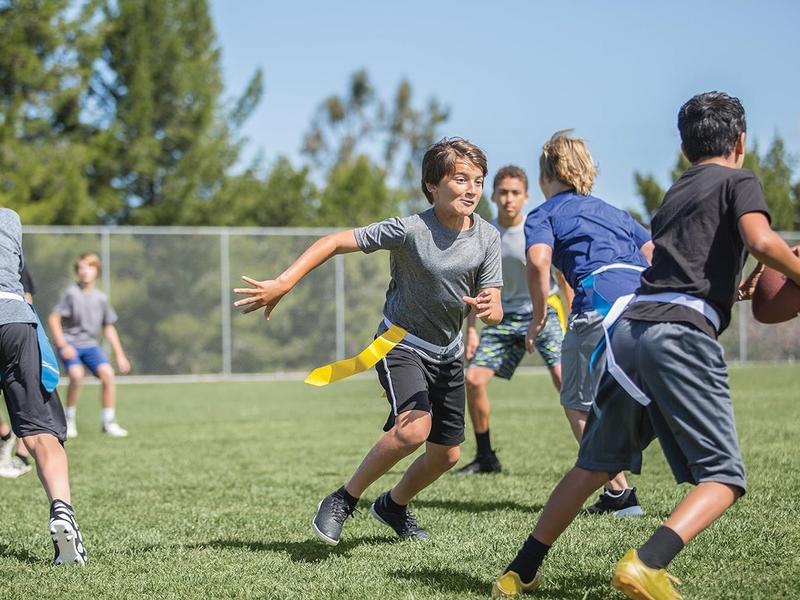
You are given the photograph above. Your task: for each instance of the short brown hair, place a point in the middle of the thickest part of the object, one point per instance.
(91, 258)
(512, 171)
(440, 160)
(567, 159)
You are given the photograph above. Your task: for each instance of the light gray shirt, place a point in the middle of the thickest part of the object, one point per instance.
(11, 260)
(83, 314)
(516, 297)
(432, 268)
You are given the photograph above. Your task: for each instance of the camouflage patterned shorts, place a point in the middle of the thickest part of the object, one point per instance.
(502, 346)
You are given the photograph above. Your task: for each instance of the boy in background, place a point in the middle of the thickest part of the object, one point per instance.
(501, 347)
(81, 313)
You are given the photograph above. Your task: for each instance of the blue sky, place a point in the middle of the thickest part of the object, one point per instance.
(515, 71)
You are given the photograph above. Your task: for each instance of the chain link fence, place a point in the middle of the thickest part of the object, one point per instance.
(172, 288)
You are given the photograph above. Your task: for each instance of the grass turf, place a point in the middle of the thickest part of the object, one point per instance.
(213, 494)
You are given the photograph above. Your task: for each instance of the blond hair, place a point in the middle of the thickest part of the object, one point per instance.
(567, 159)
(91, 258)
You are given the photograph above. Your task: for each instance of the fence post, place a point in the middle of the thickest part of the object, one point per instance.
(105, 257)
(225, 296)
(743, 322)
(339, 275)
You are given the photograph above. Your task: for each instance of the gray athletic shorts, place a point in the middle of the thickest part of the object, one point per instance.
(683, 372)
(578, 385)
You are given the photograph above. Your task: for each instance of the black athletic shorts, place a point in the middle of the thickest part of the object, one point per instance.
(32, 409)
(413, 382)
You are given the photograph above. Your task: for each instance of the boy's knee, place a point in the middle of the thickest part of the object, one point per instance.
(76, 375)
(106, 374)
(412, 434)
(475, 379)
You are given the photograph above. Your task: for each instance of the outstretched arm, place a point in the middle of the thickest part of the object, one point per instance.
(268, 293)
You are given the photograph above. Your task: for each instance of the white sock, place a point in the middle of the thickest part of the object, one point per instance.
(108, 415)
(614, 494)
(70, 412)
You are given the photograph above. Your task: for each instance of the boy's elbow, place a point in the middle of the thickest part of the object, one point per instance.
(758, 245)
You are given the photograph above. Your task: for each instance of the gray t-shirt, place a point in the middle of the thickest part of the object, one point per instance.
(515, 295)
(83, 314)
(432, 268)
(12, 311)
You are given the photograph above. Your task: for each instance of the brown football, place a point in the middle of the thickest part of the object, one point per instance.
(776, 298)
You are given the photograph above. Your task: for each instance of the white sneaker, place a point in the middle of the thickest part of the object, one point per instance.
(72, 429)
(114, 430)
(14, 468)
(66, 535)
(7, 450)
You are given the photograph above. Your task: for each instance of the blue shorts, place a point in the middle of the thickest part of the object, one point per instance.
(91, 356)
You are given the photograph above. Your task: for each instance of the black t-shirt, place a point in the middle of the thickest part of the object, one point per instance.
(698, 249)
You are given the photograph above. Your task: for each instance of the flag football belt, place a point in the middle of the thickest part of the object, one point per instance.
(618, 308)
(49, 372)
(369, 356)
(554, 301)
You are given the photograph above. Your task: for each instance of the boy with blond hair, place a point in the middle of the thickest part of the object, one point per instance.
(444, 262)
(80, 314)
(665, 372)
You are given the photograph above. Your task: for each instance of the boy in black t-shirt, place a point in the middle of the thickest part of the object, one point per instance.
(665, 375)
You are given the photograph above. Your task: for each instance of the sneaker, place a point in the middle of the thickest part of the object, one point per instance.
(66, 535)
(112, 429)
(509, 585)
(7, 450)
(72, 429)
(404, 523)
(332, 512)
(14, 468)
(638, 581)
(626, 505)
(481, 464)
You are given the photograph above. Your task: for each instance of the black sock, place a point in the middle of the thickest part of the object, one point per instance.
(394, 506)
(661, 548)
(529, 559)
(351, 500)
(484, 443)
(6, 437)
(24, 459)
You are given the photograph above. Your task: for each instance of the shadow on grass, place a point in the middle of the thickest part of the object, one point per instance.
(477, 506)
(445, 580)
(592, 586)
(306, 551)
(22, 556)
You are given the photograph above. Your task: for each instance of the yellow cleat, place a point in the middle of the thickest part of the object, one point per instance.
(638, 581)
(509, 585)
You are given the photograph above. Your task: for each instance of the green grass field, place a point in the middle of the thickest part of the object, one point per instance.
(213, 494)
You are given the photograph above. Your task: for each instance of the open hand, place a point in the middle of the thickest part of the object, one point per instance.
(534, 329)
(748, 287)
(264, 294)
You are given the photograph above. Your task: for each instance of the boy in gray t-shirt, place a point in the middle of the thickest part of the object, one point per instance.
(444, 262)
(36, 415)
(80, 315)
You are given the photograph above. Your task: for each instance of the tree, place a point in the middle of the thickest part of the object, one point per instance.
(774, 169)
(394, 135)
(166, 143)
(43, 78)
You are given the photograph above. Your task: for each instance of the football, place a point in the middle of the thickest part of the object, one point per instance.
(776, 297)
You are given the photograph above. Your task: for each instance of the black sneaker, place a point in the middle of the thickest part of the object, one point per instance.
(482, 464)
(404, 523)
(332, 512)
(66, 535)
(626, 505)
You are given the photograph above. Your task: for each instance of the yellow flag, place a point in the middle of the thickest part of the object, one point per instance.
(366, 359)
(555, 302)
